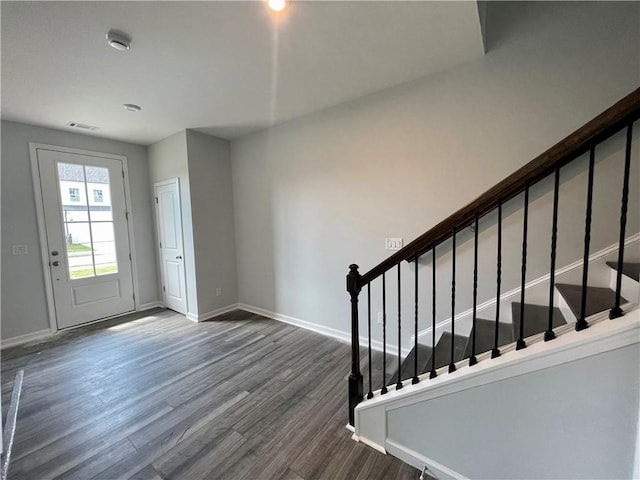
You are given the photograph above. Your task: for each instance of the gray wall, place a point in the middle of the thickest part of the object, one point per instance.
(213, 226)
(202, 163)
(501, 430)
(313, 195)
(24, 308)
(607, 188)
(167, 160)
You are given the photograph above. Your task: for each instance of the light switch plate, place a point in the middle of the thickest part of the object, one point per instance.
(393, 243)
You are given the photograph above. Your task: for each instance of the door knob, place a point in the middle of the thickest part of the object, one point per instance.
(56, 263)
(179, 257)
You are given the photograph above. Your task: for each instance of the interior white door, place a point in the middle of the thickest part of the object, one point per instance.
(87, 236)
(169, 220)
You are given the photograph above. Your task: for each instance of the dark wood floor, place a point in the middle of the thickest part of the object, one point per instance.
(160, 397)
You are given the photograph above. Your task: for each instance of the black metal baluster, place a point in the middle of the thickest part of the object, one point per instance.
(433, 373)
(399, 384)
(452, 366)
(370, 394)
(496, 351)
(616, 311)
(355, 377)
(549, 334)
(384, 336)
(415, 338)
(520, 344)
(581, 323)
(472, 359)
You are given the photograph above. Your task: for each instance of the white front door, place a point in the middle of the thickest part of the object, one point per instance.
(169, 220)
(87, 236)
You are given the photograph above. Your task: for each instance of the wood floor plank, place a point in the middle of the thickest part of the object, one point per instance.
(290, 475)
(157, 397)
(146, 473)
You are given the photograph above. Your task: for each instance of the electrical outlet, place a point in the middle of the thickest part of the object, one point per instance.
(19, 250)
(380, 318)
(218, 292)
(393, 243)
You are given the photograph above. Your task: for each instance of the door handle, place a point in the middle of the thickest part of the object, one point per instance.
(56, 263)
(179, 257)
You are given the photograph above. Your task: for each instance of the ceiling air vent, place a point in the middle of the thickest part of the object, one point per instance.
(82, 126)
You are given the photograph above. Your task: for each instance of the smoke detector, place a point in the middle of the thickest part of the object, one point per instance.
(119, 40)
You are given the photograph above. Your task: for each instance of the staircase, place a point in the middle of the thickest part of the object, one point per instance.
(598, 300)
(436, 399)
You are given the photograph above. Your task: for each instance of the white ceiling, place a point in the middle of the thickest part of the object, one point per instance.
(224, 68)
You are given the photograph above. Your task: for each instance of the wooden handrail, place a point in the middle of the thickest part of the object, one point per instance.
(604, 125)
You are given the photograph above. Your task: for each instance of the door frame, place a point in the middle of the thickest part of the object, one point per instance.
(42, 231)
(169, 181)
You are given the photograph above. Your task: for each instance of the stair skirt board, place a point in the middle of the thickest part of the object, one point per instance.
(417, 460)
(560, 330)
(536, 323)
(463, 319)
(603, 336)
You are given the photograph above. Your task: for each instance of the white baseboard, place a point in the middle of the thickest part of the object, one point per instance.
(322, 329)
(391, 349)
(20, 339)
(415, 459)
(150, 305)
(201, 317)
(314, 327)
(515, 293)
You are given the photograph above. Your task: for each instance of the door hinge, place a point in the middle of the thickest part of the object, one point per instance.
(126, 214)
(163, 289)
(156, 199)
(134, 297)
(160, 244)
(122, 173)
(129, 257)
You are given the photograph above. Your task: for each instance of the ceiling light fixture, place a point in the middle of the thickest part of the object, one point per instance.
(277, 5)
(119, 40)
(131, 107)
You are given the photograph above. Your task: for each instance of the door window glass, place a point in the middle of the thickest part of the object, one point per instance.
(87, 220)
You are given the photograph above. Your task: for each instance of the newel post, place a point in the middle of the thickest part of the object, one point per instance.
(355, 378)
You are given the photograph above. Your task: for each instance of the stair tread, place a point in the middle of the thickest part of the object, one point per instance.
(443, 349)
(485, 336)
(536, 319)
(408, 364)
(599, 299)
(425, 357)
(631, 270)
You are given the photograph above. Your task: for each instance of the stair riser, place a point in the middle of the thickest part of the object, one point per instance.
(630, 288)
(565, 310)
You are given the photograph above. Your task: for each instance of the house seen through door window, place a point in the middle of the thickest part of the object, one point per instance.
(88, 220)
